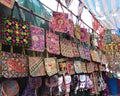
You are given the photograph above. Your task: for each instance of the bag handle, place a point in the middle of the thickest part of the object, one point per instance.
(59, 3)
(33, 16)
(18, 10)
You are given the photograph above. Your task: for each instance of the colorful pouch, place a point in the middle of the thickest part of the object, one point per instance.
(87, 54)
(83, 65)
(7, 3)
(52, 43)
(38, 39)
(51, 66)
(77, 66)
(59, 22)
(66, 47)
(36, 66)
(70, 67)
(82, 51)
(14, 65)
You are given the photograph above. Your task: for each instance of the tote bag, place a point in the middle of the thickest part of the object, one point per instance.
(14, 65)
(36, 66)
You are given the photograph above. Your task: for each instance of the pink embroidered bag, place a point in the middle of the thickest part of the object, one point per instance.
(52, 43)
(14, 65)
(38, 40)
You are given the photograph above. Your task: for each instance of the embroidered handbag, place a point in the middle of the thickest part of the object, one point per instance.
(70, 28)
(14, 65)
(51, 66)
(7, 3)
(90, 67)
(75, 50)
(77, 66)
(38, 39)
(66, 47)
(36, 66)
(70, 67)
(15, 32)
(83, 35)
(82, 51)
(59, 22)
(61, 66)
(52, 43)
(87, 53)
(84, 69)
(77, 30)
(10, 88)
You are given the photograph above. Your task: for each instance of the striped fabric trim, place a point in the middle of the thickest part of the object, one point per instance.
(106, 11)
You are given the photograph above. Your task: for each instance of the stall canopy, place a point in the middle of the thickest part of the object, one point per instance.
(107, 12)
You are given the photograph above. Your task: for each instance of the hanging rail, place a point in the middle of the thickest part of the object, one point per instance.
(29, 11)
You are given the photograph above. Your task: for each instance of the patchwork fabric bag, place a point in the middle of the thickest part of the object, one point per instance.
(14, 65)
(7, 3)
(36, 66)
(10, 88)
(77, 66)
(52, 43)
(66, 47)
(59, 22)
(70, 67)
(38, 39)
(15, 32)
(51, 66)
(62, 67)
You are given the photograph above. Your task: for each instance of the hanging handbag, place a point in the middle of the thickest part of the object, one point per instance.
(87, 53)
(77, 66)
(59, 22)
(14, 65)
(36, 66)
(84, 69)
(62, 66)
(32, 86)
(77, 30)
(82, 51)
(90, 67)
(51, 66)
(51, 83)
(7, 3)
(66, 47)
(75, 50)
(52, 43)
(10, 88)
(83, 35)
(38, 39)
(15, 32)
(70, 67)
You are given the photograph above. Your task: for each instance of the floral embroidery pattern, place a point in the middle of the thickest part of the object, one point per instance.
(59, 22)
(15, 32)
